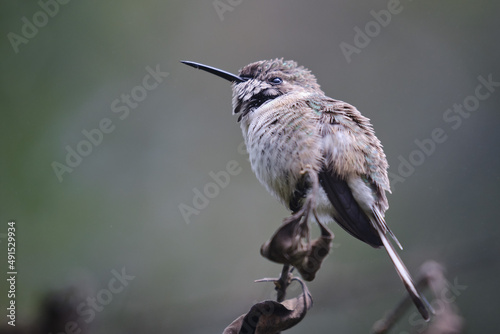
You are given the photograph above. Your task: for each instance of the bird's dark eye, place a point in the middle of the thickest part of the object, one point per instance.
(275, 80)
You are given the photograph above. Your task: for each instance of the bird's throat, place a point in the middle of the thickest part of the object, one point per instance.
(256, 101)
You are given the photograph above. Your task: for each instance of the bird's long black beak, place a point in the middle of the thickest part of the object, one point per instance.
(220, 73)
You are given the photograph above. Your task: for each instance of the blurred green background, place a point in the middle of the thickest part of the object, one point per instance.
(119, 207)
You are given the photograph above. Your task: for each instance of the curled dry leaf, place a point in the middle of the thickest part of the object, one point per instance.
(290, 244)
(270, 317)
(319, 249)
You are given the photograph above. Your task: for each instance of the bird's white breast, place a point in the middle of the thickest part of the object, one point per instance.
(282, 142)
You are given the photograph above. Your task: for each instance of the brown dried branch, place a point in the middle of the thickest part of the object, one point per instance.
(291, 246)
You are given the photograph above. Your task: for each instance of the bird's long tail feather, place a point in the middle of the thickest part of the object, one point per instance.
(418, 300)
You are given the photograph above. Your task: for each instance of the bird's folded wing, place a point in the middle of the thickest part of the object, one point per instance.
(348, 214)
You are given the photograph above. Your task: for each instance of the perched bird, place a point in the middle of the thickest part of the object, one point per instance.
(295, 134)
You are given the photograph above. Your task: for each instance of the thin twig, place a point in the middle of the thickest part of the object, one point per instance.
(447, 320)
(384, 325)
(283, 282)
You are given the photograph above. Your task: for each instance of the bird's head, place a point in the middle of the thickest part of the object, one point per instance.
(265, 80)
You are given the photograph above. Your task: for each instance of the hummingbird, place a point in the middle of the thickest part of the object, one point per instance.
(299, 141)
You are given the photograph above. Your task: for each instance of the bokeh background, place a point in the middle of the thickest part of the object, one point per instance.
(119, 208)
